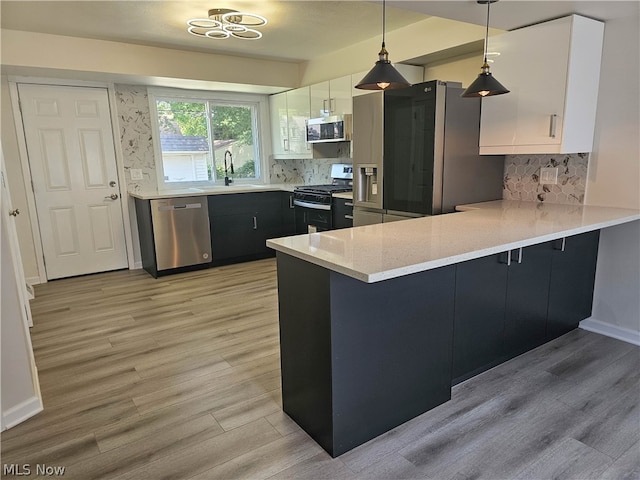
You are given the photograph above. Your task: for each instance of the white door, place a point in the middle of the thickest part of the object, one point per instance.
(20, 390)
(73, 169)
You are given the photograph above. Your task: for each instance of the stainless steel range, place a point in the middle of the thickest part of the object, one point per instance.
(313, 203)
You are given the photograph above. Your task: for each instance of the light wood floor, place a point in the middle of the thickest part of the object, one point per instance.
(178, 378)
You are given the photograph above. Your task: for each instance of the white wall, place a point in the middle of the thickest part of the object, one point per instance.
(614, 174)
(464, 69)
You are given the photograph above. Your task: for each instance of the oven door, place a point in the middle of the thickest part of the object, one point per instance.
(312, 218)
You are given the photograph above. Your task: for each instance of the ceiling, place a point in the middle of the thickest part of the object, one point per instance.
(298, 30)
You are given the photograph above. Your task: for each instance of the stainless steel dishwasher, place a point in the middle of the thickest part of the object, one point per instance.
(181, 231)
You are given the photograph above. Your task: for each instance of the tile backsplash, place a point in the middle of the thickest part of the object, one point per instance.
(132, 107)
(311, 171)
(522, 173)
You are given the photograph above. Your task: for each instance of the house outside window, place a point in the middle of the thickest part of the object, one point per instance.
(195, 132)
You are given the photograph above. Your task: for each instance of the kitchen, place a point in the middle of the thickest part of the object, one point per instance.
(612, 176)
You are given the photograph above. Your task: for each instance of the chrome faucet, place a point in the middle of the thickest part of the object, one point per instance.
(227, 180)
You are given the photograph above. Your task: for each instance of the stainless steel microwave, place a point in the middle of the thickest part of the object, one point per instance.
(336, 128)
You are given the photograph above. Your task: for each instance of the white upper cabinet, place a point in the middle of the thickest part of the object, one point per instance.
(553, 71)
(289, 112)
(413, 74)
(332, 97)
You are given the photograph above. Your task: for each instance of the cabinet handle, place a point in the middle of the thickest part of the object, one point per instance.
(255, 223)
(349, 217)
(520, 255)
(324, 105)
(348, 204)
(506, 261)
(560, 244)
(332, 104)
(285, 142)
(291, 201)
(553, 120)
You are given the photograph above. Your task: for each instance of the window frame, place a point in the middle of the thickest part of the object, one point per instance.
(260, 126)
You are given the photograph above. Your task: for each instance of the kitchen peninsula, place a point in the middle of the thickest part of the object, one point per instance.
(377, 322)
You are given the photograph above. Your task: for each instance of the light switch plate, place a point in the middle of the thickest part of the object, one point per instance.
(136, 174)
(549, 176)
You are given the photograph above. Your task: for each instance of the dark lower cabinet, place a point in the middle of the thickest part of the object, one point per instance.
(288, 214)
(241, 224)
(480, 295)
(508, 304)
(342, 213)
(361, 358)
(527, 298)
(573, 270)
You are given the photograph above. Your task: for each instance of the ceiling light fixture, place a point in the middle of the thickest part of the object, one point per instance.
(383, 75)
(485, 85)
(224, 23)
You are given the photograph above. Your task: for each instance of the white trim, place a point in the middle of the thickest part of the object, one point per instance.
(21, 412)
(26, 176)
(33, 280)
(620, 333)
(137, 265)
(260, 124)
(56, 81)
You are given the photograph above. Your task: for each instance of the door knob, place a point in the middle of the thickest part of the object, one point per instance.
(113, 196)
(112, 183)
(14, 213)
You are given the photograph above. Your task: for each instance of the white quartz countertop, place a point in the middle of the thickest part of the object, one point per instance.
(221, 190)
(373, 253)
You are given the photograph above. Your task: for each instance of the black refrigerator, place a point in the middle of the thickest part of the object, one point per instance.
(416, 153)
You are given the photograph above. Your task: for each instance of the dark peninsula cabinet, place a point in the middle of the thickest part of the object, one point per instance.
(510, 303)
(573, 271)
(241, 224)
(478, 327)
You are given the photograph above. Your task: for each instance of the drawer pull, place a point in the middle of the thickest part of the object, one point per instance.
(348, 204)
(349, 217)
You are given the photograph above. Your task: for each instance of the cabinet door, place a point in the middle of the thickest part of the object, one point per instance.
(340, 99)
(279, 123)
(233, 236)
(527, 298)
(288, 214)
(342, 213)
(298, 111)
(480, 295)
(319, 99)
(523, 116)
(572, 279)
(268, 222)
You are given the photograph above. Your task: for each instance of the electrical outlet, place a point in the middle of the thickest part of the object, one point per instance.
(549, 176)
(136, 174)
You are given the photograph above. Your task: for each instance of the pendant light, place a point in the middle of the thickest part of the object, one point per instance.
(485, 85)
(383, 76)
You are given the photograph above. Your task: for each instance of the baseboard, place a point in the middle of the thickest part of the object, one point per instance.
(137, 265)
(21, 412)
(613, 331)
(33, 280)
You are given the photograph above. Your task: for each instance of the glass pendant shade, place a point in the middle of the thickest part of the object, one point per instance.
(383, 76)
(485, 85)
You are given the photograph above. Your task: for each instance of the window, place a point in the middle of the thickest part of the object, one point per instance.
(202, 140)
